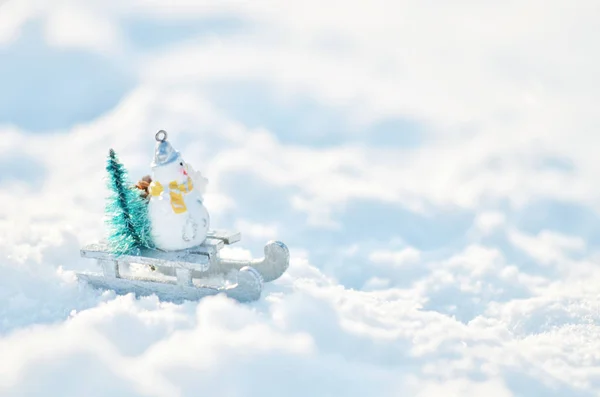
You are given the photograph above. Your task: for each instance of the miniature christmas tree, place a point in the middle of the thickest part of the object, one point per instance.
(129, 227)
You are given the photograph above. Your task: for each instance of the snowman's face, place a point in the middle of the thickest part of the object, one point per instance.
(174, 171)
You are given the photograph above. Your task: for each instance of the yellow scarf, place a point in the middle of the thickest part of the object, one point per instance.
(176, 191)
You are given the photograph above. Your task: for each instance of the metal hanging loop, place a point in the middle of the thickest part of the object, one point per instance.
(164, 136)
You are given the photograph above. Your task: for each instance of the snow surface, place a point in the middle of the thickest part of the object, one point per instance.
(432, 167)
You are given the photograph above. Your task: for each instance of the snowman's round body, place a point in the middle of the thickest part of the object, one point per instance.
(178, 217)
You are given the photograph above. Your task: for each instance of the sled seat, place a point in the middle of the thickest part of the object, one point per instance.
(181, 263)
(225, 236)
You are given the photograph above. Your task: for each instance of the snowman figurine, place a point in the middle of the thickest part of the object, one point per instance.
(177, 214)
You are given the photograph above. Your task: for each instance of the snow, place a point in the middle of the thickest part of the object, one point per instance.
(432, 167)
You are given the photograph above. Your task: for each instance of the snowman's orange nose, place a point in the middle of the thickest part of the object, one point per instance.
(185, 172)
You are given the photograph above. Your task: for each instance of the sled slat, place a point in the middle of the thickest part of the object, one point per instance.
(227, 237)
(209, 247)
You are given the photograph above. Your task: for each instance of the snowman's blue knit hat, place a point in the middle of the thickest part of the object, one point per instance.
(163, 151)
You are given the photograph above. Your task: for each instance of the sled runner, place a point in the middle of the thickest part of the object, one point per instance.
(183, 274)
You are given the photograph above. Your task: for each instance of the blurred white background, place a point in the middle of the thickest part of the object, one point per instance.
(432, 166)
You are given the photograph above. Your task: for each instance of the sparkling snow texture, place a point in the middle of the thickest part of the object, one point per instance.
(432, 166)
